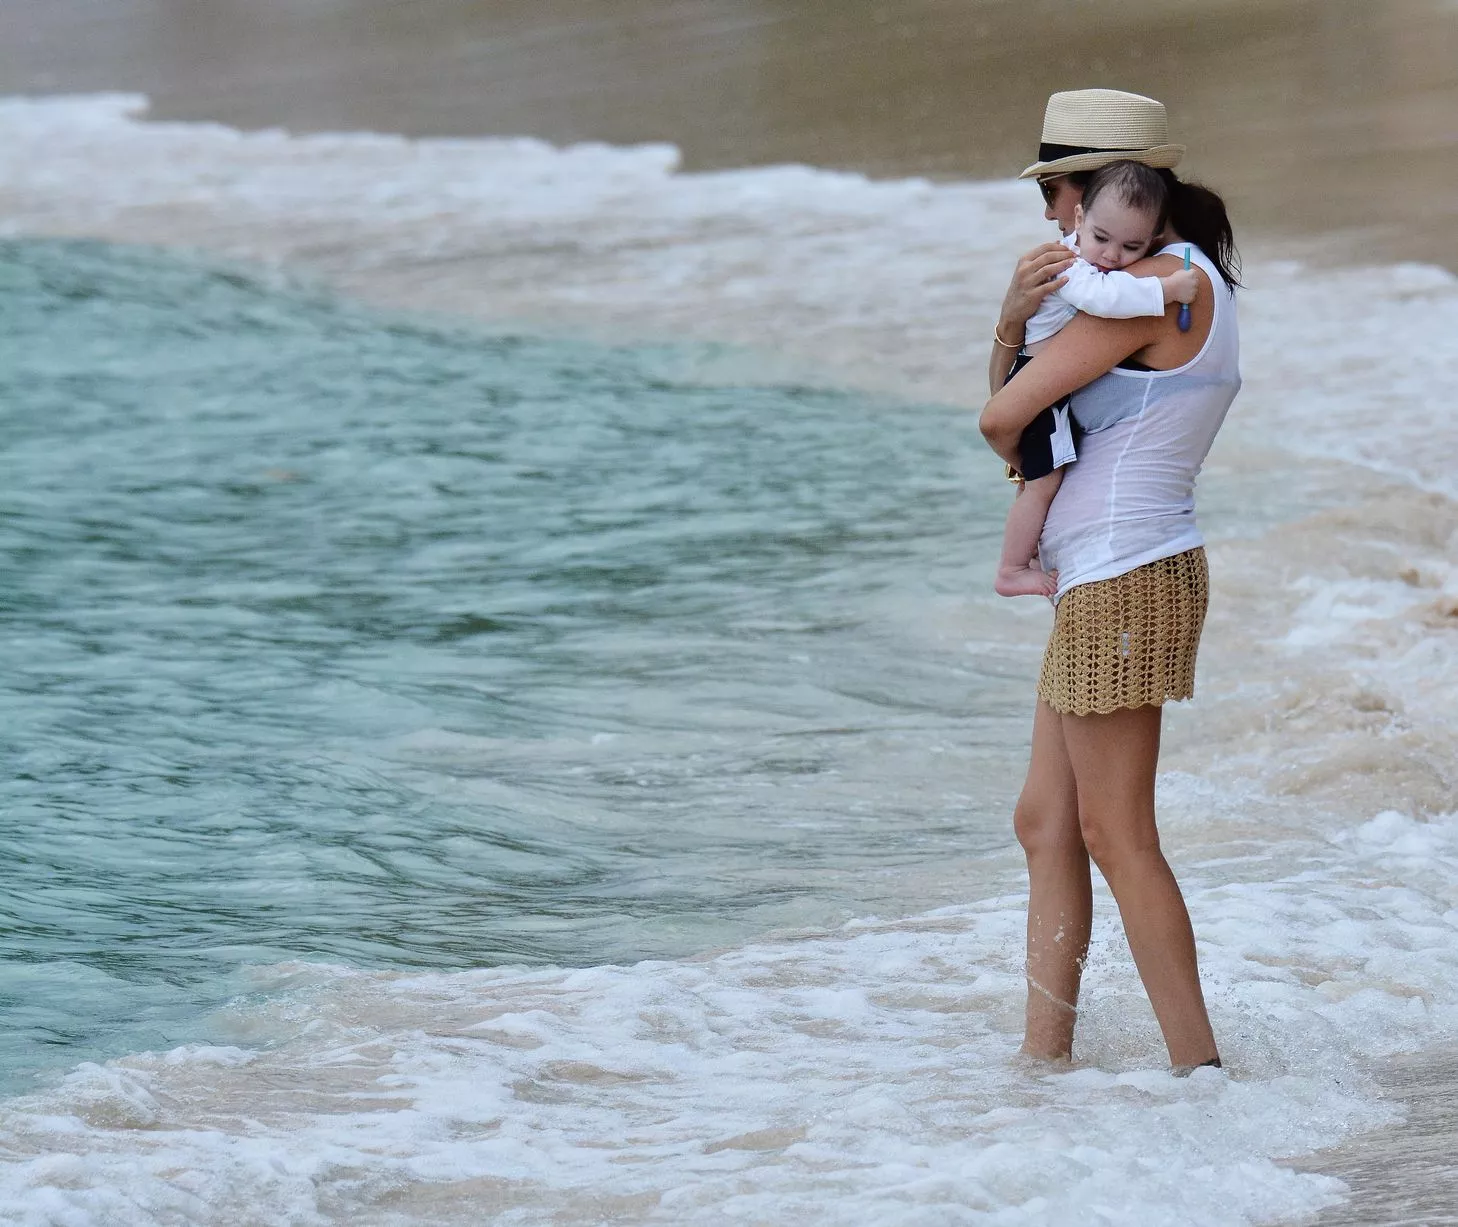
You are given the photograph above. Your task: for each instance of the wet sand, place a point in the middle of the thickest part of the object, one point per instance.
(1404, 1174)
(1313, 116)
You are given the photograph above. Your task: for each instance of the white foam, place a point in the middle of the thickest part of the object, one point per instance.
(1335, 607)
(1352, 365)
(886, 282)
(864, 1075)
(838, 266)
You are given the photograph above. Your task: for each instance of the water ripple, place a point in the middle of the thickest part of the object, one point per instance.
(334, 635)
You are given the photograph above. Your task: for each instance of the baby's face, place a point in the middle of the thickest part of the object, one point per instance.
(1112, 235)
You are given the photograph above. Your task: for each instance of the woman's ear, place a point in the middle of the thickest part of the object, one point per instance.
(1078, 216)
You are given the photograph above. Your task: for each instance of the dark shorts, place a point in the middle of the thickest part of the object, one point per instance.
(1050, 440)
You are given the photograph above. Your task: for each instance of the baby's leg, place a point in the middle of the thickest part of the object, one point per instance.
(1018, 573)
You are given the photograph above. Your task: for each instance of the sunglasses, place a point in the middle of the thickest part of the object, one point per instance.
(1049, 188)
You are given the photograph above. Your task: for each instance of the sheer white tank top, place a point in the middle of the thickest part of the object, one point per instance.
(1130, 498)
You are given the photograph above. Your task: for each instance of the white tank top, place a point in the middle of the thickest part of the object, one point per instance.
(1130, 498)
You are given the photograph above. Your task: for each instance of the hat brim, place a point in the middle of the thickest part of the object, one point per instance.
(1161, 157)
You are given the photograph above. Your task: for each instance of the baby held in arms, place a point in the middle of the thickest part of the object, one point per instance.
(1124, 209)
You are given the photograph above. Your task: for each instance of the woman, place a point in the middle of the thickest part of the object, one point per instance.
(1132, 580)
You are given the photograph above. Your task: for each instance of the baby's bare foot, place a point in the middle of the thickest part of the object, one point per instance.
(1025, 581)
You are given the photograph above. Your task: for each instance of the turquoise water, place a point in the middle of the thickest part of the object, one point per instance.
(335, 635)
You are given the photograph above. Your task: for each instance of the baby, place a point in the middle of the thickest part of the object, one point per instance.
(1125, 207)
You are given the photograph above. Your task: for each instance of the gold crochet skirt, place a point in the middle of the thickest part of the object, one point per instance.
(1129, 641)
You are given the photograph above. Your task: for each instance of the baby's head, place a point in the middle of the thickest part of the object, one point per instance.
(1124, 208)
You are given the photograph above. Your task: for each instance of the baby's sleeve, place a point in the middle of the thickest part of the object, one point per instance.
(1118, 296)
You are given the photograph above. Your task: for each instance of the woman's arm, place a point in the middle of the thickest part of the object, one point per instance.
(1000, 366)
(1038, 274)
(1086, 348)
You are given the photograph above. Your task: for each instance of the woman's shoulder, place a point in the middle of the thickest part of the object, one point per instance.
(1169, 258)
(1173, 255)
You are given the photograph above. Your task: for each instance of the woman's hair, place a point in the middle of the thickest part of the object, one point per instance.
(1198, 214)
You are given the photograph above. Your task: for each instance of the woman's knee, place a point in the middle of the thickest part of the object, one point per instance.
(1046, 823)
(1116, 836)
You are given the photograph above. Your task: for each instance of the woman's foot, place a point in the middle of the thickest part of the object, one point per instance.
(1025, 581)
(1184, 1071)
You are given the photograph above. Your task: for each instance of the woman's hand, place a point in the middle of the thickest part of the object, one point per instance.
(1037, 275)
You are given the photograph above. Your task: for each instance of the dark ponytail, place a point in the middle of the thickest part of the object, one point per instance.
(1198, 214)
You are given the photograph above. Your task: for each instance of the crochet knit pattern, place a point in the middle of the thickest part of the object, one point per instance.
(1129, 641)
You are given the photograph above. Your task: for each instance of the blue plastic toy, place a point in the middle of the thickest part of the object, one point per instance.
(1184, 316)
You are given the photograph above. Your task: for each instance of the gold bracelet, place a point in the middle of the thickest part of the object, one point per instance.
(996, 336)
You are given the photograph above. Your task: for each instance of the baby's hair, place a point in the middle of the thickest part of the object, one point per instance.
(1136, 185)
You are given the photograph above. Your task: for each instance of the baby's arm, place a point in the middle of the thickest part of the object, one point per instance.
(1123, 296)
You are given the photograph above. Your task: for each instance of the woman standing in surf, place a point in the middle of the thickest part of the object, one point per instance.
(1132, 579)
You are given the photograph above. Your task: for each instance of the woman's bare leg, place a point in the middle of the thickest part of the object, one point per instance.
(1060, 899)
(1113, 759)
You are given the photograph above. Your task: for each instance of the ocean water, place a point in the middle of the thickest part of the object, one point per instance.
(354, 637)
(468, 770)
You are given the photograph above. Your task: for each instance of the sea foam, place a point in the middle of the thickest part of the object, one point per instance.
(867, 1072)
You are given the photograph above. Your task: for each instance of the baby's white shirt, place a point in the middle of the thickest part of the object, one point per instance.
(1118, 296)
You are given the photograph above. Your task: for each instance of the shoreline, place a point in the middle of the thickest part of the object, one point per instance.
(1403, 1172)
(1326, 125)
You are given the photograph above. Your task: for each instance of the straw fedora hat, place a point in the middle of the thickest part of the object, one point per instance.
(1084, 129)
